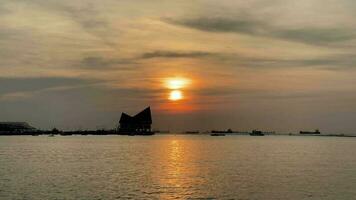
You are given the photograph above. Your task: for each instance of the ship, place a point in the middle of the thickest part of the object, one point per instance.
(257, 133)
(223, 132)
(310, 132)
(192, 132)
(217, 134)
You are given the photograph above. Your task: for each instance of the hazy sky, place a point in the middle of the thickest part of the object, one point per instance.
(280, 65)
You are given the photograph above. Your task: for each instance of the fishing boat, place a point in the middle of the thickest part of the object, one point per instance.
(317, 132)
(257, 133)
(192, 132)
(217, 134)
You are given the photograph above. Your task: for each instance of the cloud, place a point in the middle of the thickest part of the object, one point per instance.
(99, 63)
(86, 15)
(175, 54)
(320, 36)
(11, 33)
(26, 87)
(244, 25)
(334, 61)
(4, 10)
(218, 24)
(331, 61)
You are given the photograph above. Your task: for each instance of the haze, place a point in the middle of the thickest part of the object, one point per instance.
(280, 65)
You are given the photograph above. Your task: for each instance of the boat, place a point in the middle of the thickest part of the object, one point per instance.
(192, 132)
(161, 131)
(217, 134)
(222, 132)
(310, 132)
(256, 133)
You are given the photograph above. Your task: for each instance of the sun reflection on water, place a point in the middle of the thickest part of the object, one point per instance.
(175, 160)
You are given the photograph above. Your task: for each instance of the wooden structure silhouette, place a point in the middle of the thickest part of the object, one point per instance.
(139, 124)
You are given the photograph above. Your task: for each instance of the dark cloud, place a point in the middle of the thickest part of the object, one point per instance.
(11, 33)
(11, 85)
(99, 63)
(332, 61)
(296, 95)
(4, 10)
(316, 35)
(135, 93)
(86, 15)
(335, 61)
(174, 54)
(308, 35)
(222, 25)
(224, 91)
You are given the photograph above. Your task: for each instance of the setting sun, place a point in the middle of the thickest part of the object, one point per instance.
(176, 86)
(175, 95)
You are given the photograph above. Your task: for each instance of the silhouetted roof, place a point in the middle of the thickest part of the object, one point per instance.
(142, 117)
(125, 118)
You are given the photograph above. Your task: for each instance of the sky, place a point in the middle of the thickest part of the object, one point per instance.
(275, 65)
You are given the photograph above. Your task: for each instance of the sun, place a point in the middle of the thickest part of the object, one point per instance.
(176, 86)
(175, 95)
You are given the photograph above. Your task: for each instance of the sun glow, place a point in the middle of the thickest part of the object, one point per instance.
(177, 83)
(175, 95)
(176, 87)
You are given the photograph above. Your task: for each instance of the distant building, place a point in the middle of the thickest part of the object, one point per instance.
(138, 124)
(15, 127)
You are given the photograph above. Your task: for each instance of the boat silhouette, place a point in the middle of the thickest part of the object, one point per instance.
(256, 133)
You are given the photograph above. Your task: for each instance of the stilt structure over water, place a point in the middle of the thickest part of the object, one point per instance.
(139, 124)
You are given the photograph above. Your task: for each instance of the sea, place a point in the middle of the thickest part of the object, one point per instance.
(177, 167)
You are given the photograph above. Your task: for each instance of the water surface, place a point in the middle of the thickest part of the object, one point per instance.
(177, 167)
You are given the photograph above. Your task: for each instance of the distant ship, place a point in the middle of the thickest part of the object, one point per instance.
(192, 132)
(227, 131)
(257, 133)
(161, 131)
(217, 134)
(310, 132)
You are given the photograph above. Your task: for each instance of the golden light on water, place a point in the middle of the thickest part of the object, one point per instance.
(175, 95)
